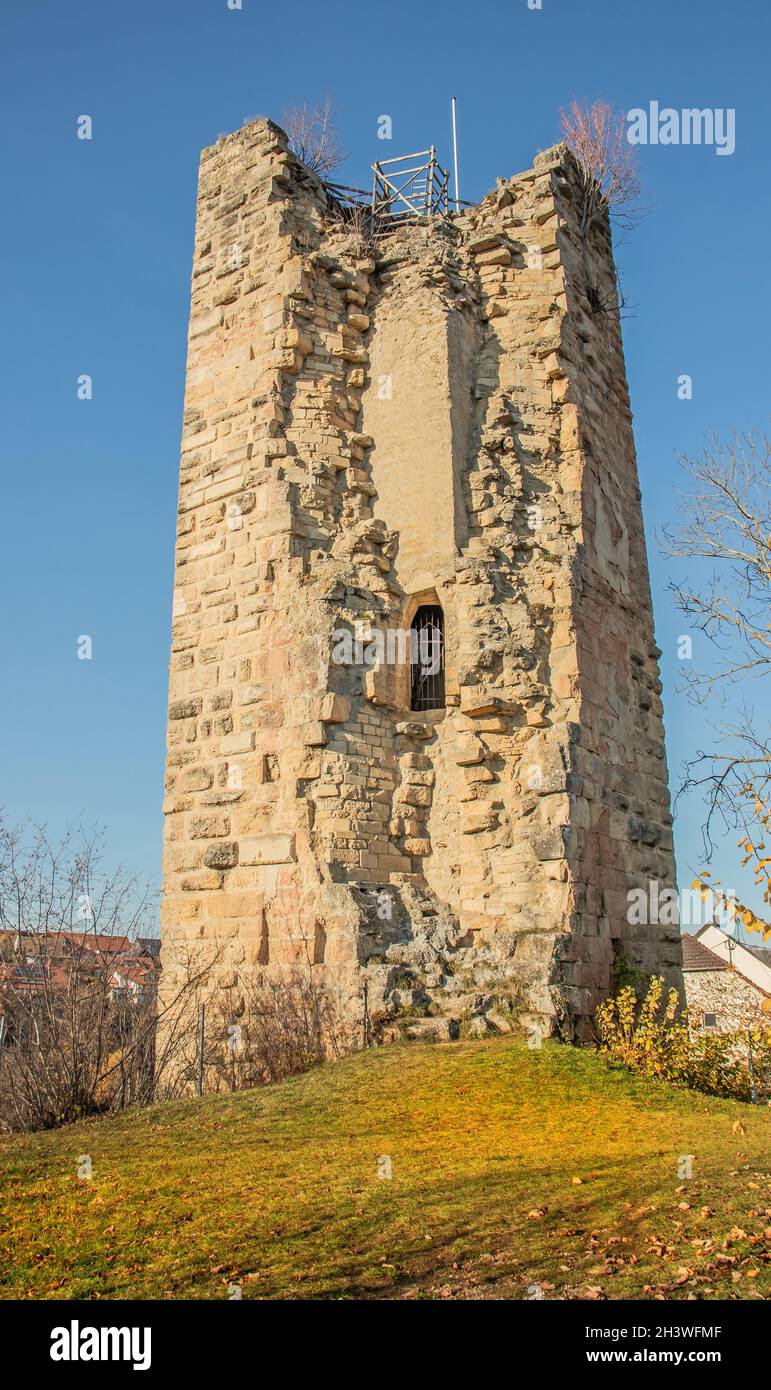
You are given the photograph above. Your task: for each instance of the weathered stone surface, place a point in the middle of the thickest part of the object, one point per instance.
(267, 849)
(221, 856)
(335, 709)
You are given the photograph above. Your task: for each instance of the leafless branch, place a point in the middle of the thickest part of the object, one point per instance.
(610, 176)
(726, 519)
(313, 136)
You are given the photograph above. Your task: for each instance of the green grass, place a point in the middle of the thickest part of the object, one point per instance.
(278, 1189)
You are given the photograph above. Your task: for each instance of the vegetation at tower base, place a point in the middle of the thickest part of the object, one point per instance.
(653, 1037)
(514, 1173)
(434, 419)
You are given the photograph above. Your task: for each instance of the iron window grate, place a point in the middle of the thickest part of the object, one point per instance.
(427, 653)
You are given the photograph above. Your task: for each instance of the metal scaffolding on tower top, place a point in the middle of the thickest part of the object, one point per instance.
(413, 185)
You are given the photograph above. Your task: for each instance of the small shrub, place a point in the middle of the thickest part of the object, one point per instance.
(652, 1037)
(358, 222)
(608, 164)
(263, 1029)
(313, 136)
(624, 972)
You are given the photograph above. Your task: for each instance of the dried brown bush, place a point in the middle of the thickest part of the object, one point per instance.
(610, 176)
(313, 136)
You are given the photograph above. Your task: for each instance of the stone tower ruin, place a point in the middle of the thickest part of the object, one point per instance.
(415, 725)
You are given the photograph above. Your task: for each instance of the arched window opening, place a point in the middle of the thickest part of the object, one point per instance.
(427, 656)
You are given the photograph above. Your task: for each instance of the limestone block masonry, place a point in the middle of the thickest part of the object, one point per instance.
(442, 419)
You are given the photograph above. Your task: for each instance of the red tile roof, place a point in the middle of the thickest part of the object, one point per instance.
(50, 955)
(699, 957)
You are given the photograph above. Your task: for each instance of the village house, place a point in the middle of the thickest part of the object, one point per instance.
(42, 964)
(727, 984)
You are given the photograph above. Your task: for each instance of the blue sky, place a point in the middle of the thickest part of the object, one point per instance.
(97, 242)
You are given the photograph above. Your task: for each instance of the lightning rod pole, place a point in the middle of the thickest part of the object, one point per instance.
(455, 154)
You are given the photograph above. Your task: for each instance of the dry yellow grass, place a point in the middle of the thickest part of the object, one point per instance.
(515, 1173)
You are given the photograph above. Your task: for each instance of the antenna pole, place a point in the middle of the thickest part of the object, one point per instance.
(202, 1016)
(455, 155)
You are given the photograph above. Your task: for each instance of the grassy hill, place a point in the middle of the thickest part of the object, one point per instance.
(510, 1168)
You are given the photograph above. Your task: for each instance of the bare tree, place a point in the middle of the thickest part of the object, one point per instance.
(81, 1029)
(725, 521)
(77, 982)
(610, 177)
(313, 136)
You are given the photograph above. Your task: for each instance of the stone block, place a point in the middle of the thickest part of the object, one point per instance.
(335, 709)
(273, 847)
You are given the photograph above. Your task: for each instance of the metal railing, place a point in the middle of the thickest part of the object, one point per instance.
(402, 188)
(414, 185)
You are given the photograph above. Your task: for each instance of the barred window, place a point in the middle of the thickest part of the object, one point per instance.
(427, 656)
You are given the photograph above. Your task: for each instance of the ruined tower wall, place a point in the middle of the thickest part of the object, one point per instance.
(440, 418)
(620, 817)
(247, 678)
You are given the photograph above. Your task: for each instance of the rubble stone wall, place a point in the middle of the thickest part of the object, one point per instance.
(734, 1001)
